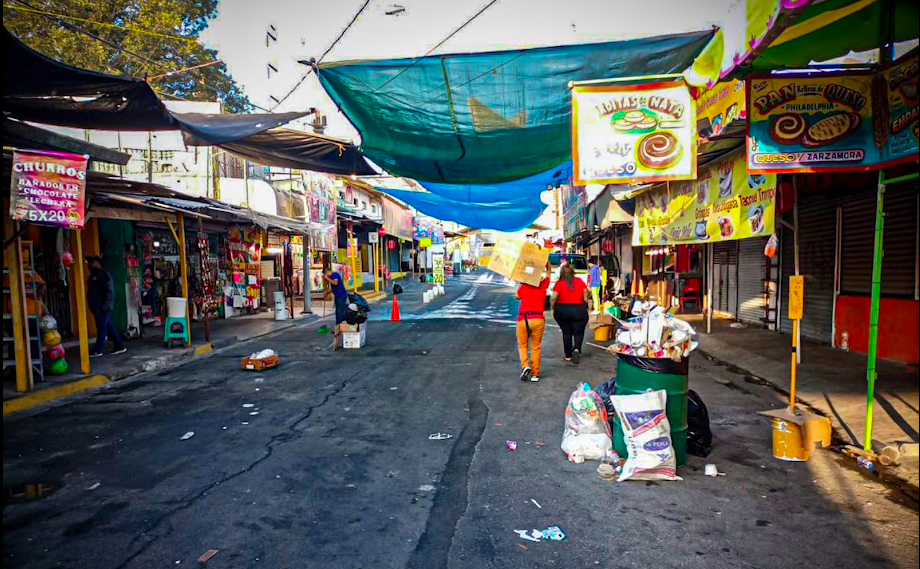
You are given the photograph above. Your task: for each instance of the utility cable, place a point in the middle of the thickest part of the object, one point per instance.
(439, 44)
(325, 53)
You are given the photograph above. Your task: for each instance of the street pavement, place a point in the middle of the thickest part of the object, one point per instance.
(326, 462)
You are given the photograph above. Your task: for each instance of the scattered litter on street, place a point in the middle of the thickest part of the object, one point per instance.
(94, 486)
(439, 436)
(248, 405)
(540, 444)
(207, 555)
(522, 547)
(393, 388)
(712, 470)
(499, 424)
(737, 325)
(512, 445)
(260, 361)
(552, 533)
(524, 534)
(535, 503)
(187, 436)
(427, 488)
(259, 379)
(244, 423)
(254, 413)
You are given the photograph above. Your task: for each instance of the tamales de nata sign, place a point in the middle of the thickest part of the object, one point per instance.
(633, 133)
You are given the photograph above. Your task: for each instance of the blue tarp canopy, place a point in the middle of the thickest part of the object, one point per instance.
(482, 118)
(530, 187)
(500, 216)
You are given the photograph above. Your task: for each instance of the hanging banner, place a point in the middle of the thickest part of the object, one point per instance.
(811, 123)
(721, 105)
(48, 188)
(724, 204)
(833, 122)
(899, 122)
(633, 133)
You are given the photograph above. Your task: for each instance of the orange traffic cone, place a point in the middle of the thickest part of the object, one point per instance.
(394, 312)
(633, 291)
(641, 287)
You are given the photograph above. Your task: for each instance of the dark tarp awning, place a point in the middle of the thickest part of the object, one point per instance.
(486, 117)
(39, 89)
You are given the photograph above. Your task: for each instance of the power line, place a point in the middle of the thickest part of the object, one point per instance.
(325, 53)
(439, 44)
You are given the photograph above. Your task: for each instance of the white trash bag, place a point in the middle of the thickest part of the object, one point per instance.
(587, 432)
(648, 436)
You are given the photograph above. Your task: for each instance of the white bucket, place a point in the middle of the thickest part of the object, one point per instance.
(426, 297)
(175, 306)
(280, 309)
(440, 289)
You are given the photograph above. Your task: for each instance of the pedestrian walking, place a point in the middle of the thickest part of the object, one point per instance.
(100, 299)
(530, 326)
(569, 304)
(594, 283)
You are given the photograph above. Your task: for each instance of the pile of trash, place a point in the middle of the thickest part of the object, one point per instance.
(263, 354)
(587, 431)
(651, 332)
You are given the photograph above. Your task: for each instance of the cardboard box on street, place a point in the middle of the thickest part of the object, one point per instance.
(519, 260)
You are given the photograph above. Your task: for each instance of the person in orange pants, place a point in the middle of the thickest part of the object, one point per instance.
(530, 326)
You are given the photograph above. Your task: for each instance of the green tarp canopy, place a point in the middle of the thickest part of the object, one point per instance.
(834, 28)
(486, 117)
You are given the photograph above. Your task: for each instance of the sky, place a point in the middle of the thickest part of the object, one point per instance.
(306, 28)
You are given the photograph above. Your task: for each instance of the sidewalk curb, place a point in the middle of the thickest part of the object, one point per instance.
(35, 399)
(889, 479)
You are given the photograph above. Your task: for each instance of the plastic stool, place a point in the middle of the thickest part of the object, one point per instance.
(180, 333)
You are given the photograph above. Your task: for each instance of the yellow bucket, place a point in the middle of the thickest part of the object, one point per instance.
(787, 441)
(602, 334)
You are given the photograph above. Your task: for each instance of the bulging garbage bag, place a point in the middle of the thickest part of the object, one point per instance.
(587, 432)
(648, 436)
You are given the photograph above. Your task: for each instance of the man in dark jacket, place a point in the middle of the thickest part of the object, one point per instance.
(100, 297)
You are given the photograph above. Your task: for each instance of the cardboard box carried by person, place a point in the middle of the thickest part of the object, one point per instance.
(519, 260)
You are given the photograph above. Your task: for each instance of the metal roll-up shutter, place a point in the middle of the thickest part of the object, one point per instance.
(817, 243)
(899, 265)
(752, 270)
(900, 243)
(857, 220)
(724, 282)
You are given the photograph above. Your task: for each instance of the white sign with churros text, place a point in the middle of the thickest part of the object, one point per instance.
(633, 133)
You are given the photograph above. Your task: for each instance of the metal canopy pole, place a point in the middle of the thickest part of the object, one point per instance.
(795, 255)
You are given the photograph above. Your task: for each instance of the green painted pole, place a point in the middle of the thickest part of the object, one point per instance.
(877, 254)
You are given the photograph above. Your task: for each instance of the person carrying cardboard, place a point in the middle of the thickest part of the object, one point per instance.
(530, 326)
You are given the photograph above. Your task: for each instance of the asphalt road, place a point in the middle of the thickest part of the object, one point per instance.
(326, 462)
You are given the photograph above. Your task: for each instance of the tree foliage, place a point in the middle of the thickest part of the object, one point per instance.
(63, 40)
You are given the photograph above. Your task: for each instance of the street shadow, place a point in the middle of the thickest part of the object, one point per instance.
(898, 419)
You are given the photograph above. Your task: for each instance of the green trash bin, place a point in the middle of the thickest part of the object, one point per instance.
(638, 375)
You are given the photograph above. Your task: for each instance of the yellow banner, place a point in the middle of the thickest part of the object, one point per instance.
(630, 133)
(723, 204)
(722, 104)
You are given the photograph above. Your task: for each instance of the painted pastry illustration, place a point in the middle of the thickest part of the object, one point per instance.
(663, 200)
(755, 218)
(658, 150)
(726, 227)
(634, 122)
(908, 92)
(787, 128)
(830, 129)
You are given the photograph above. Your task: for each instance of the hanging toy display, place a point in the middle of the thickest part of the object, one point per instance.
(51, 338)
(58, 367)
